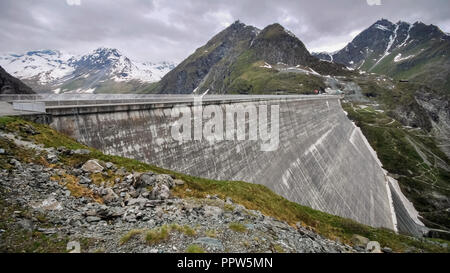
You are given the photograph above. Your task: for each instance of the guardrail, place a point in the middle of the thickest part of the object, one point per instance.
(29, 106)
(65, 100)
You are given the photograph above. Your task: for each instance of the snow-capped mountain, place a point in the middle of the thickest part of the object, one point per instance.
(102, 70)
(400, 50)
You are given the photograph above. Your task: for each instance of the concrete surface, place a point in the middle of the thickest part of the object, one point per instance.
(323, 160)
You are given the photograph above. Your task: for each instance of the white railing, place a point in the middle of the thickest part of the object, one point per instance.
(55, 100)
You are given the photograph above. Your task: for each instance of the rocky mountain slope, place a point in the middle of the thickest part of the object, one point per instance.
(243, 59)
(104, 70)
(404, 51)
(57, 195)
(11, 85)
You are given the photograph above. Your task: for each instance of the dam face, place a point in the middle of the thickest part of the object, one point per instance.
(322, 161)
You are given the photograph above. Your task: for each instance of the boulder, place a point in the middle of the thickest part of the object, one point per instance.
(110, 196)
(84, 180)
(137, 201)
(178, 182)
(373, 247)
(81, 152)
(92, 166)
(147, 179)
(160, 192)
(165, 179)
(92, 219)
(210, 211)
(359, 241)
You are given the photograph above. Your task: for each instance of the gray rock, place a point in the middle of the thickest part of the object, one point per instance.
(26, 224)
(49, 204)
(211, 211)
(92, 166)
(145, 180)
(52, 158)
(110, 196)
(92, 219)
(178, 182)
(165, 179)
(81, 152)
(373, 247)
(2, 151)
(15, 163)
(84, 180)
(359, 241)
(209, 242)
(160, 192)
(387, 250)
(109, 165)
(137, 201)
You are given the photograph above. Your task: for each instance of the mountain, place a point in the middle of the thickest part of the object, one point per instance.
(102, 70)
(11, 85)
(243, 59)
(415, 52)
(209, 61)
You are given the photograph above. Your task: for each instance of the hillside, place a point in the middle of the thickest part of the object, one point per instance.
(11, 85)
(72, 193)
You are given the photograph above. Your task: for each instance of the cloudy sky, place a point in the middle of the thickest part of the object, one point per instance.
(157, 30)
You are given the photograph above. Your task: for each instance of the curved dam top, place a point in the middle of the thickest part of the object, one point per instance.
(319, 157)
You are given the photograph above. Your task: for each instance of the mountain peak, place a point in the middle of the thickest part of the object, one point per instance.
(275, 31)
(384, 22)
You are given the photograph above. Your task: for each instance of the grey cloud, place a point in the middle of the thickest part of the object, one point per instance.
(172, 29)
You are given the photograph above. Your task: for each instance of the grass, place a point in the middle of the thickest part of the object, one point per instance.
(251, 196)
(157, 235)
(195, 249)
(211, 233)
(237, 227)
(187, 230)
(228, 207)
(278, 248)
(76, 190)
(129, 235)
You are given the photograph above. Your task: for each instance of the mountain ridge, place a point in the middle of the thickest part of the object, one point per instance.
(234, 61)
(415, 52)
(96, 71)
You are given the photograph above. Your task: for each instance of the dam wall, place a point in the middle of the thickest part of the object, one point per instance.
(322, 159)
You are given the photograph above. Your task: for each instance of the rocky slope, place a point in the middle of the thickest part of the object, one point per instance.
(415, 52)
(11, 85)
(102, 70)
(70, 196)
(243, 59)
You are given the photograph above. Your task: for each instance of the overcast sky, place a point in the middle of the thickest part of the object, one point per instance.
(157, 30)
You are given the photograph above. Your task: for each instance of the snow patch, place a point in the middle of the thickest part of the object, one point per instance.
(266, 65)
(399, 58)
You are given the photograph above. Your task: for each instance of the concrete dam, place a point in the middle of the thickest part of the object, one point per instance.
(322, 160)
